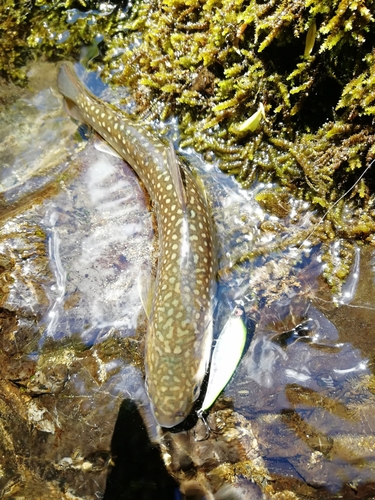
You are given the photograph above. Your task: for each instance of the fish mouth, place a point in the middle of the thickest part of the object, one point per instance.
(169, 421)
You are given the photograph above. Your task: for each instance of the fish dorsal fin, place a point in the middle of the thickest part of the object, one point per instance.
(146, 286)
(174, 170)
(202, 188)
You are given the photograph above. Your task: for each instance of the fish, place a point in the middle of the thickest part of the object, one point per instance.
(180, 319)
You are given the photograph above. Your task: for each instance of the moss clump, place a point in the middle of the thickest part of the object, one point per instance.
(54, 29)
(13, 43)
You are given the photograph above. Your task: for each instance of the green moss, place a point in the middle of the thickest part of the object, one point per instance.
(13, 44)
(359, 94)
(54, 29)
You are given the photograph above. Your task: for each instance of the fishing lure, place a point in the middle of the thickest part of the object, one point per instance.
(225, 358)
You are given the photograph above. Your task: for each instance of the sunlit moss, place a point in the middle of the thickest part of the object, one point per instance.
(359, 94)
(13, 44)
(52, 28)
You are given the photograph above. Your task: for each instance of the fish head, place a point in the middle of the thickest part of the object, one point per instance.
(174, 380)
(171, 397)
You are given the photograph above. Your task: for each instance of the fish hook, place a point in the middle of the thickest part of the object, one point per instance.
(206, 425)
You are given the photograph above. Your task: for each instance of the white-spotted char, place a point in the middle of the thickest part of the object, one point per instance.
(179, 334)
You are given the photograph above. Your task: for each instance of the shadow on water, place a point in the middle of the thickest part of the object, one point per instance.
(139, 471)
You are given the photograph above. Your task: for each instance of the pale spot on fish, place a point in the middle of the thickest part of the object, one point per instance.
(168, 323)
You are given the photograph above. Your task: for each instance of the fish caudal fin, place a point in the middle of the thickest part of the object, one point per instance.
(70, 88)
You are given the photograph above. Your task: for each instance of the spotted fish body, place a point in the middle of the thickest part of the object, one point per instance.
(179, 334)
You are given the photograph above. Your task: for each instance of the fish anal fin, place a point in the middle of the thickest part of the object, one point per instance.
(104, 147)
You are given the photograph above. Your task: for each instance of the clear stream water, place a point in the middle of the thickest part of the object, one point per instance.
(76, 233)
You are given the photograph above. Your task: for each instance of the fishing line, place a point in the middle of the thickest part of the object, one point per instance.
(334, 204)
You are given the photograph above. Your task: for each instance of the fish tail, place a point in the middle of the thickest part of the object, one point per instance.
(71, 89)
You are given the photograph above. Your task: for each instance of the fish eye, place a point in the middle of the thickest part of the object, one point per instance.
(196, 391)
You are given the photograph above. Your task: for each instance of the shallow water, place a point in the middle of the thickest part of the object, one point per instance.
(76, 235)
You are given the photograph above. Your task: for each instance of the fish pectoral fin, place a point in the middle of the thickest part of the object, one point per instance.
(73, 110)
(146, 286)
(104, 147)
(174, 170)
